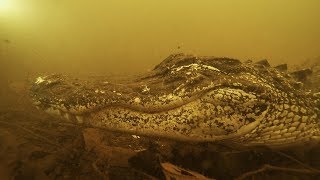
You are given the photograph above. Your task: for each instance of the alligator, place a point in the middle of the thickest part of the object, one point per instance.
(194, 99)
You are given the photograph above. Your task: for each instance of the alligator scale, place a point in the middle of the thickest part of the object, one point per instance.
(188, 98)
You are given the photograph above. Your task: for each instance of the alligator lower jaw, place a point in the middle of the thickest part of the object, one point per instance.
(86, 120)
(99, 119)
(231, 139)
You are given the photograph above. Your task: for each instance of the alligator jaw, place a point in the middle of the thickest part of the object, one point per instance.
(92, 119)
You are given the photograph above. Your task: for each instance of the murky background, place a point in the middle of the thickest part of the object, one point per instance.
(132, 36)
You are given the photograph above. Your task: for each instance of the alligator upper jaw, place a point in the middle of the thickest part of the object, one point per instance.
(78, 97)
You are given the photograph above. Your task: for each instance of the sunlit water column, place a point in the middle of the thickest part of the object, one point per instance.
(9, 11)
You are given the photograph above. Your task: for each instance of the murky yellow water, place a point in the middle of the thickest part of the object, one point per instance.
(133, 36)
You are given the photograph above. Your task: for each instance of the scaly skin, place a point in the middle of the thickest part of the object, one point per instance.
(201, 99)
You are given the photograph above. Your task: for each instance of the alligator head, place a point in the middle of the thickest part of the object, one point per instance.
(202, 99)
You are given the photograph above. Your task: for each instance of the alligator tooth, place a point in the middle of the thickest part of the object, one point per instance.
(36, 103)
(67, 116)
(79, 119)
(53, 111)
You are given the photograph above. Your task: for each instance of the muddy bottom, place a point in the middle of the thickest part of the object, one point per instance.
(34, 145)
